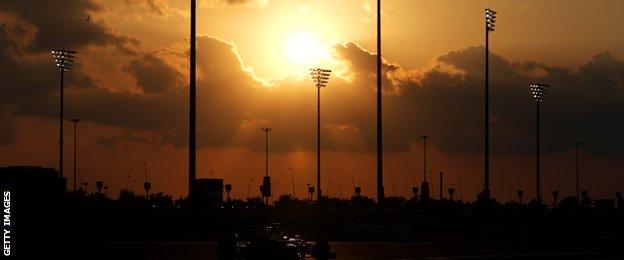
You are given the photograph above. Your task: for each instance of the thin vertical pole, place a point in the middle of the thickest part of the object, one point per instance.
(538, 193)
(577, 144)
(75, 140)
(425, 158)
(486, 121)
(380, 192)
(266, 157)
(192, 104)
(318, 142)
(441, 185)
(292, 177)
(61, 115)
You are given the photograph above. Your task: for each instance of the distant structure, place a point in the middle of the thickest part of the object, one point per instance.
(520, 193)
(32, 186)
(415, 192)
(424, 189)
(577, 145)
(99, 185)
(75, 121)
(441, 185)
(292, 177)
(209, 192)
(228, 189)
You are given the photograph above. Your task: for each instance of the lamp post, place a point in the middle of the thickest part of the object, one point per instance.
(490, 16)
(75, 121)
(147, 185)
(320, 78)
(537, 91)
(424, 189)
(577, 145)
(267, 181)
(63, 59)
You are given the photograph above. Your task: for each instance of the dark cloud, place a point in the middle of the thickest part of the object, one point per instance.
(145, 67)
(62, 24)
(9, 127)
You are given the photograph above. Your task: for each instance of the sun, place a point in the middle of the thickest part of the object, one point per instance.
(304, 49)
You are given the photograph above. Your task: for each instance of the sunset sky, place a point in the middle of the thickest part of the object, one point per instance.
(129, 86)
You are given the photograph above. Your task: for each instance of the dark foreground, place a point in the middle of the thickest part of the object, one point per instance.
(589, 248)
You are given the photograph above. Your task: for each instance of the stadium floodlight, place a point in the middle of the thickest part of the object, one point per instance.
(490, 16)
(537, 91)
(64, 59)
(490, 19)
(320, 78)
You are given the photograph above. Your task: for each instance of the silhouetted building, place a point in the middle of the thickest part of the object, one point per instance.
(209, 192)
(32, 185)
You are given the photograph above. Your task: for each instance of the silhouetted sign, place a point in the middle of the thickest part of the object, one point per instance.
(99, 185)
(228, 187)
(147, 186)
(311, 189)
(358, 190)
(266, 186)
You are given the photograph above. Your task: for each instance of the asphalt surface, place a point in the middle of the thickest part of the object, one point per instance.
(590, 248)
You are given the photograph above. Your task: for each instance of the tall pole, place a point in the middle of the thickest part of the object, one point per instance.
(75, 121)
(441, 185)
(318, 143)
(380, 191)
(425, 138)
(192, 105)
(537, 90)
(538, 192)
(61, 115)
(490, 16)
(266, 163)
(320, 77)
(577, 146)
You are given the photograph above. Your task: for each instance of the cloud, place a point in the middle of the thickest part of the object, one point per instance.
(444, 99)
(225, 3)
(9, 127)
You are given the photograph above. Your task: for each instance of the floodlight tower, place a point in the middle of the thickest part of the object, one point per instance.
(320, 78)
(577, 145)
(537, 91)
(64, 60)
(75, 121)
(490, 19)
